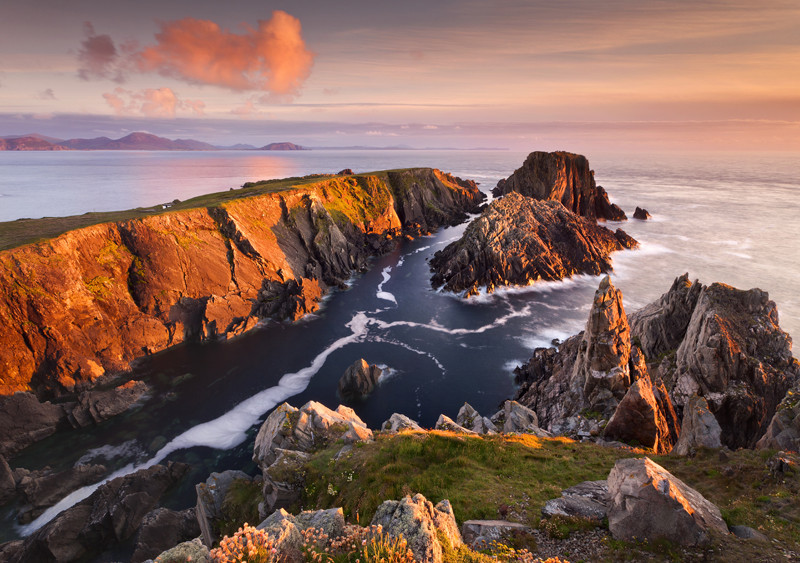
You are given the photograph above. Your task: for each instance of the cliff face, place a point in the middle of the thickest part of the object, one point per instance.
(88, 302)
(564, 177)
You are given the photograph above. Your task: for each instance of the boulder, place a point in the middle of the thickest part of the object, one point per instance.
(748, 533)
(446, 423)
(108, 517)
(163, 528)
(783, 432)
(479, 534)
(517, 241)
(564, 177)
(330, 521)
(399, 422)
(587, 500)
(282, 528)
(419, 521)
(699, 429)
(40, 490)
(210, 498)
(641, 214)
(660, 326)
(647, 502)
(515, 417)
(345, 172)
(645, 415)
(736, 356)
(359, 379)
(193, 551)
(24, 420)
(96, 406)
(470, 419)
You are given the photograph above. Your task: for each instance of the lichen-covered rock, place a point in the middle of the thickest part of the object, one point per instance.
(783, 432)
(645, 415)
(418, 521)
(399, 422)
(471, 419)
(564, 177)
(444, 422)
(210, 498)
(193, 551)
(284, 480)
(481, 534)
(647, 502)
(587, 500)
(699, 428)
(515, 417)
(517, 241)
(359, 379)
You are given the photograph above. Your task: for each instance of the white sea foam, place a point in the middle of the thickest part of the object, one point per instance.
(483, 297)
(500, 321)
(739, 254)
(226, 431)
(411, 349)
(385, 295)
(130, 448)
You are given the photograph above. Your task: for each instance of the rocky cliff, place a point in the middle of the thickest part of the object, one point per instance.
(86, 303)
(565, 177)
(518, 240)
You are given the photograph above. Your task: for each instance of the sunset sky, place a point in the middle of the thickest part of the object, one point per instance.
(447, 73)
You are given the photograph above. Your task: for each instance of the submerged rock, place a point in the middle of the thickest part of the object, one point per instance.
(564, 177)
(40, 490)
(647, 502)
(359, 379)
(519, 240)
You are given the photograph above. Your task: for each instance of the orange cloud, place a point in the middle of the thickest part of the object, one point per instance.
(271, 58)
(161, 102)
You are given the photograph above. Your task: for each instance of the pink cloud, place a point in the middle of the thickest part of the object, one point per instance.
(98, 56)
(272, 58)
(151, 102)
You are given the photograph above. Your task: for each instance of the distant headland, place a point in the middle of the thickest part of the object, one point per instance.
(138, 141)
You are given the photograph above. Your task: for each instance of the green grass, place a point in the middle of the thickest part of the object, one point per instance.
(26, 231)
(515, 475)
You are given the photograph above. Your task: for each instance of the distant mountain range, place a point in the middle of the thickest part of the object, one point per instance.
(135, 141)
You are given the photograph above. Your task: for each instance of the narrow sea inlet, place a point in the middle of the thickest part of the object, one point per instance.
(720, 218)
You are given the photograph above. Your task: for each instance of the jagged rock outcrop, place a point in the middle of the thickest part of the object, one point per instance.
(419, 521)
(24, 420)
(699, 428)
(193, 551)
(288, 436)
(359, 380)
(87, 302)
(515, 417)
(641, 214)
(736, 356)
(96, 406)
(564, 177)
(446, 423)
(661, 325)
(783, 432)
(210, 499)
(647, 502)
(399, 422)
(645, 415)
(519, 240)
(471, 419)
(285, 529)
(109, 516)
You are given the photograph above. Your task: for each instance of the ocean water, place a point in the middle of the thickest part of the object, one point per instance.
(727, 218)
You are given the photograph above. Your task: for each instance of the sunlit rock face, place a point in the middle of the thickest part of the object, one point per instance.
(565, 177)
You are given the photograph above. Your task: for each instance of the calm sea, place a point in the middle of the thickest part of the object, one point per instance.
(728, 218)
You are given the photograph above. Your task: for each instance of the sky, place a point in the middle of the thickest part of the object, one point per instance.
(522, 75)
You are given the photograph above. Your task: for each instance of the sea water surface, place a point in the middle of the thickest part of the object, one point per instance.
(720, 217)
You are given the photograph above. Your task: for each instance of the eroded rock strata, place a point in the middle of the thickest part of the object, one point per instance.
(565, 177)
(715, 342)
(518, 240)
(86, 303)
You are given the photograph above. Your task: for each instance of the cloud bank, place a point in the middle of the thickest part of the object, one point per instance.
(271, 58)
(151, 102)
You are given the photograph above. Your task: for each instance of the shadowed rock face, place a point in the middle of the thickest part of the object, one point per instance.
(84, 304)
(518, 240)
(564, 177)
